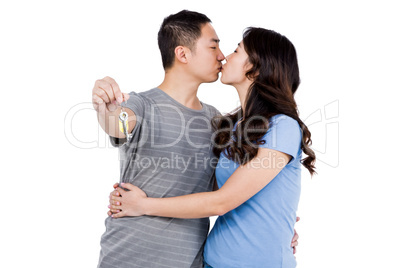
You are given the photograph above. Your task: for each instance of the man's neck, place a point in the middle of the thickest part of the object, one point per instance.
(181, 88)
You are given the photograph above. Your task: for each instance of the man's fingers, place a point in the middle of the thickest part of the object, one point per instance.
(96, 99)
(126, 96)
(98, 93)
(104, 90)
(297, 219)
(117, 95)
(97, 103)
(107, 91)
(115, 185)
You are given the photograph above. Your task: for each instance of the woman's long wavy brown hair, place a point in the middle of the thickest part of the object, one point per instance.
(275, 76)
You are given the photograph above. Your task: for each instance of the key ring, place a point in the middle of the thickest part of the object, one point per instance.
(123, 122)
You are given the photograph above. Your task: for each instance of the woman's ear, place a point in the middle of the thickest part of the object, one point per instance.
(249, 67)
(181, 53)
(255, 74)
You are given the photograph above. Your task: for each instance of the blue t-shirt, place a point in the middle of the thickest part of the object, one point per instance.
(259, 232)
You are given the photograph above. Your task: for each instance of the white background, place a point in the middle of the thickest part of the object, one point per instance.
(57, 166)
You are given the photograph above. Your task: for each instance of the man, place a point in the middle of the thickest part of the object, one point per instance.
(169, 153)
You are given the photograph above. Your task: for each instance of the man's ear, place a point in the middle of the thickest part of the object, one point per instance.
(182, 54)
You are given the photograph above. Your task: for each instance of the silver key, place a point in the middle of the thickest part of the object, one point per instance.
(123, 117)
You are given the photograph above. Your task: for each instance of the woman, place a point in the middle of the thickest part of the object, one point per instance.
(258, 174)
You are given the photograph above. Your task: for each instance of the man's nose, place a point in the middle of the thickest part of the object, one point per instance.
(221, 57)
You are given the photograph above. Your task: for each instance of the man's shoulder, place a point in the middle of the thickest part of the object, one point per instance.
(146, 96)
(211, 109)
(143, 94)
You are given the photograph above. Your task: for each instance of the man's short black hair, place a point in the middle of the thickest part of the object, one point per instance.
(181, 29)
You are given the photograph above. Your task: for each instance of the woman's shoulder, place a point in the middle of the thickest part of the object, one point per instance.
(284, 121)
(284, 135)
(283, 127)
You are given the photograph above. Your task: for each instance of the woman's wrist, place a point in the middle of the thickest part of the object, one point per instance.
(144, 205)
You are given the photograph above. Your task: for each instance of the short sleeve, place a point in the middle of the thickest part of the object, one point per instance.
(135, 103)
(283, 135)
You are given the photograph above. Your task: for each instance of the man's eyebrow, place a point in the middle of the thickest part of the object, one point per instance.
(215, 40)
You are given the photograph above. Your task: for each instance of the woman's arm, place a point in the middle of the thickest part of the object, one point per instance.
(245, 182)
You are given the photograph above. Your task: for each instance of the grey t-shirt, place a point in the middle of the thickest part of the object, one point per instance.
(169, 155)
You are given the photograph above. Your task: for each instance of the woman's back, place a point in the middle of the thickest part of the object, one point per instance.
(258, 233)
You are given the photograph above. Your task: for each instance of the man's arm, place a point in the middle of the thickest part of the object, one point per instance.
(106, 99)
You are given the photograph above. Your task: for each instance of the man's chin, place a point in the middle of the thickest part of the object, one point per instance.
(212, 79)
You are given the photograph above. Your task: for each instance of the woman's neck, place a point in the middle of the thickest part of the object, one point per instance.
(242, 90)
